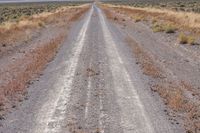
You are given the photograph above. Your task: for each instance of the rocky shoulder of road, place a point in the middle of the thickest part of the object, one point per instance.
(26, 47)
(166, 48)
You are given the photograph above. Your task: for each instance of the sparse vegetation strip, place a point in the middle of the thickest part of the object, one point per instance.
(164, 20)
(17, 74)
(170, 90)
(14, 12)
(175, 5)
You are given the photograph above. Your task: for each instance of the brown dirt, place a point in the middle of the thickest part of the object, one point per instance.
(147, 64)
(172, 91)
(18, 71)
(110, 15)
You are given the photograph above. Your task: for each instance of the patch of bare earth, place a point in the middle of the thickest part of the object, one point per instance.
(182, 109)
(24, 56)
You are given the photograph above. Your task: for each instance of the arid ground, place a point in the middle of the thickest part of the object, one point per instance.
(99, 68)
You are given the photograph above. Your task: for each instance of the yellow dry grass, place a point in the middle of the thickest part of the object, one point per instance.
(22, 30)
(181, 19)
(35, 20)
(19, 72)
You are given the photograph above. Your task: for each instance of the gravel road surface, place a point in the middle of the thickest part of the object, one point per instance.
(93, 85)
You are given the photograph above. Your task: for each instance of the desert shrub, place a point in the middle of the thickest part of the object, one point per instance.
(186, 39)
(191, 40)
(154, 21)
(41, 24)
(182, 38)
(157, 28)
(168, 28)
(138, 18)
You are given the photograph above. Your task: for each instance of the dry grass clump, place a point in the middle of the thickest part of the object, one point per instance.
(138, 18)
(154, 21)
(157, 27)
(186, 39)
(41, 24)
(168, 28)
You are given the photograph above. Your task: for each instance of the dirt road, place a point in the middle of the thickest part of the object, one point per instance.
(93, 85)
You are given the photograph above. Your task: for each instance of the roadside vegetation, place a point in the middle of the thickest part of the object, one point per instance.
(15, 12)
(175, 5)
(28, 42)
(172, 92)
(163, 20)
(30, 18)
(161, 27)
(186, 39)
(184, 26)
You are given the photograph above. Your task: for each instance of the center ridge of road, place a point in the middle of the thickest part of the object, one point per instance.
(93, 85)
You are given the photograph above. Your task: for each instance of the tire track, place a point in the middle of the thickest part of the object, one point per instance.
(129, 102)
(55, 113)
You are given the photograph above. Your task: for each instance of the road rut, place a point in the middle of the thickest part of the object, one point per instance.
(92, 86)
